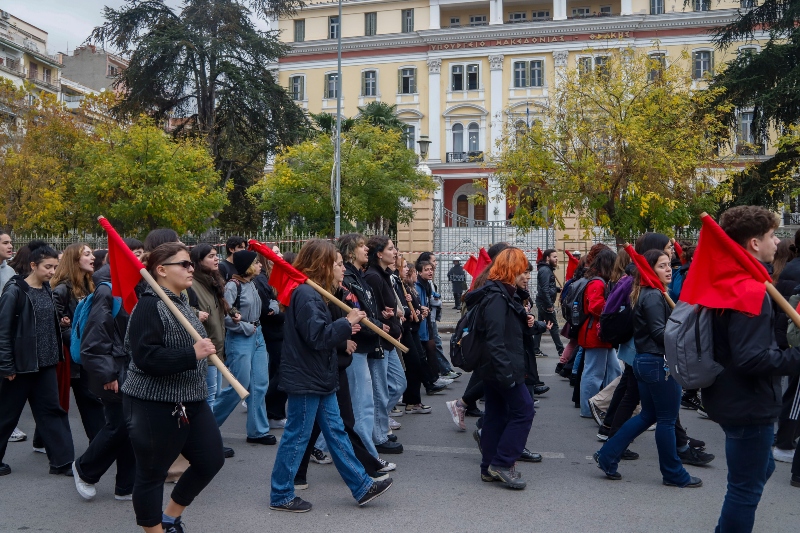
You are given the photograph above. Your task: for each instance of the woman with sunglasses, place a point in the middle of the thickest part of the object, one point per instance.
(165, 395)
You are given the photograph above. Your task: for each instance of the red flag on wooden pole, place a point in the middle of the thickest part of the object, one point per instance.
(125, 267)
(284, 278)
(539, 255)
(572, 265)
(647, 277)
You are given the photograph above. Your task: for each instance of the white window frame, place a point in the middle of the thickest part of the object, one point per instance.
(477, 136)
(473, 20)
(535, 15)
(303, 89)
(694, 63)
(740, 128)
(592, 57)
(338, 25)
(415, 79)
(455, 22)
(300, 22)
(608, 10)
(453, 134)
(405, 19)
(517, 16)
(701, 5)
(411, 143)
(581, 11)
(465, 80)
(327, 93)
(658, 7)
(652, 55)
(364, 83)
(367, 26)
(528, 78)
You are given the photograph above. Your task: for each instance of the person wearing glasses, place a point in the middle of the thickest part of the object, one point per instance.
(164, 395)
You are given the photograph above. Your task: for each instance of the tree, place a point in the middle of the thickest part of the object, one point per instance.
(382, 115)
(767, 82)
(205, 70)
(622, 146)
(379, 181)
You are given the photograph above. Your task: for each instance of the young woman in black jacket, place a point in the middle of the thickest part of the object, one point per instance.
(165, 395)
(659, 392)
(30, 349)
(509, 406)
(310, 377)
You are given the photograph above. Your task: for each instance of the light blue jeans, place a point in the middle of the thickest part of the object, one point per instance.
(246, 357)
(360, 380)
(301, 412)
(214, 383)
(388, 386)
(600, 368)
(444, 365)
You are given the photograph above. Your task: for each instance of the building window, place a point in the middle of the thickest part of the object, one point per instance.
(605, 10)
(537, 74)
(410, 137)
(528, 74)
(747, 4)
(465, 77)
(702, 5)
(472, 77)
(477, 20)
(299, 30)
(584, 65)
(601, 65)
(519, 16)
(369, 83)
(746, 128)
(455, 22)
(656, 7)
(747, 53)
(333, 27)
(407, 81)
(462, 206)
(331, 85)
(473, 131)
(597, 64)
(297, 87)
(520, 74)
(540, 15)
(458, 78)
(581, 11)
(113, 71)
(458, 138)
(658, 62)
(703, 63)
(370, 24)
(408, 20)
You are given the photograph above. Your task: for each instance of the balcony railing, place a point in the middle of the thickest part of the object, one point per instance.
(596, 14)
(11, 65)
(40, 78)
(464, 157)
(73, 98)
(791, 219)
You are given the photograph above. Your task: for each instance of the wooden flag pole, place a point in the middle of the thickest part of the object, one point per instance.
(216, 361)
(666, 295)
(410, 305)
(366, 321)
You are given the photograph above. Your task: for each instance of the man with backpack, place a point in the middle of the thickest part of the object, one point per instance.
(546, 294)
(745, 398)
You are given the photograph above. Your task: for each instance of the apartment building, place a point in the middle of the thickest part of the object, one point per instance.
(93, 67)
(23, 55)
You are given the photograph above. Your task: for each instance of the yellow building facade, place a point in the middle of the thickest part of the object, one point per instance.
(24, 55)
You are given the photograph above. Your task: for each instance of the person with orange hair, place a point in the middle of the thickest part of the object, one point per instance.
(502, 323)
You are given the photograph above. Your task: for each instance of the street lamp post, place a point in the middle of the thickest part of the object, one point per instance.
(338, 145)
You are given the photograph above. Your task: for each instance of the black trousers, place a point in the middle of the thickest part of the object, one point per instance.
(417, 370)
(275, 399)
(555, 331)
(788, 428)
(89, 406)
(370, 463)
(474, 391)
(110, 445)
(40, 390)
(157, 441)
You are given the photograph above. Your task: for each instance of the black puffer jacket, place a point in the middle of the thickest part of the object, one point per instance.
(649, 321)
(367, 340)
(748, 391)
(18, 329)
(103, 344)
(788, 284)
(546, 292)
(502, 323)
(380, 281)
(309, 361)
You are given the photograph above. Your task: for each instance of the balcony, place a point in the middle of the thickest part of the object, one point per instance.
(11, 66)
(464, 157)
(43, 80)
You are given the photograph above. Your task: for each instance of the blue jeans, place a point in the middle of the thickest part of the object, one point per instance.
(444, 364)
(246, 357)
(301, 412)
(388, 385)
(600, 368)
(214, 383)
(748, 451)
(578, 357)
(360, 380)
(661, 401)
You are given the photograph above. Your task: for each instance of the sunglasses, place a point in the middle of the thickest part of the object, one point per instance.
(184, 264)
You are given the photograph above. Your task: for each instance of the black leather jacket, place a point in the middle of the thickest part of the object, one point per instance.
(367, 341)
(380, 281)
(649, 321)
(547, 291)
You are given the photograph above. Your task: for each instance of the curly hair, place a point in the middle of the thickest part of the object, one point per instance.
(745, 222)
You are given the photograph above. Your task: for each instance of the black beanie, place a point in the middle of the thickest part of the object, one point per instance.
(242, 261)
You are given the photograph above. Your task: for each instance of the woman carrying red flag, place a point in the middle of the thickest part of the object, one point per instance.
(659, 392)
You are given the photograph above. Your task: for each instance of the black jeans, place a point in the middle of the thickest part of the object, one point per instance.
(417, 370)
(40, 390)
(787, 428)
(275, 399)
(89, 406)
(474, 391)
(624, 401)
(111, 444)
(157, 441)
(506, 425)
(555, 331)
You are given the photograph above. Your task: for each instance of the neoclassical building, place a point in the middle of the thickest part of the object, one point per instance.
(459, 70)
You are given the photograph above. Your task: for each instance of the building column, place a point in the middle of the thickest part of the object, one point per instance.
(434, 110)
(496, 11)
(435, 22)
(559, 9)
(626, 7)
(560, 58)
(496, 202)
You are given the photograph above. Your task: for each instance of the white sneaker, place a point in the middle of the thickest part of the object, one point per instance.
(784, 456)
(457, 411)
(443, 382)
(394, 424)
(39, 450)
(86, 490)
(652, 428)
(123, 497)
(17, 436)
(387, 466)
(277, 424)
(244, 404)
(396, 412)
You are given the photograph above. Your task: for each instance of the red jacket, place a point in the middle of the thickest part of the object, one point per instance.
(594, 300)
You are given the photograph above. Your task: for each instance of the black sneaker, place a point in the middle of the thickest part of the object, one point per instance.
(691, 402)
(298, 505)
(477, 436)
(4, 469)
(616, 476)
(509, 476)
(628, 455)
(228, 452)
(392, 437)
(377, 488)
(65, 470)
(320, 457)
(559, 366)
(695, 457)
(433, 389)
(795, 482)
(300, 483)
(598, 414)
(701, 412)
(540, 389)
(603, 433)
(474, 412)
(530, 457)
(269, 440)
(694, 483)
(389, 447)
(697, 444)
(175, 527)
(540, 354)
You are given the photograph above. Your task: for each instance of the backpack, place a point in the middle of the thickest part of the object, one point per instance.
(616, 321)
(80, 318)
(465, 346)
(566, 309)
(689, 346)
(578, 313)
(793, 332)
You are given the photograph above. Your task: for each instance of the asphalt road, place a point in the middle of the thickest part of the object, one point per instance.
(437, 485)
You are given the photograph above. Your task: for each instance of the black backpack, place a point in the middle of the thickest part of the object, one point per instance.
(465, 346)
(578, 313)
(616, 321)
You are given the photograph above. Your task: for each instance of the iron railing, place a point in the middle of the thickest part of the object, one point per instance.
(464, 157)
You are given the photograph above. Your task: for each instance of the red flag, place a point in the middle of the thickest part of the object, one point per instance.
(647, 277)
(471, 265)
(723, 274)
(125, 267)
(572, 264)
(679, 251)
(481, 263)
(284, 278)
(539, 255)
